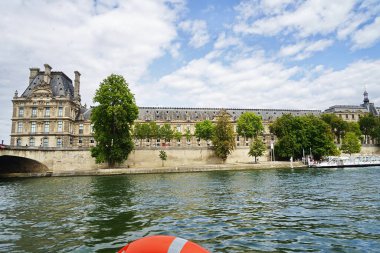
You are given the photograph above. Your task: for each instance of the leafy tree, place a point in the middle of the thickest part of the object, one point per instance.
(296, 134)
(112, 119)
(177, 135)
(204, 130)
(249, 125)
(163, 156)
(286, 147)
(141, 132)
(337, 124)
(188, 135)
(368, 126)
(376, 131)
(351, 143)
(355, 128)
(166, 132)
(223, 137)
(154, 131)
(257, 148)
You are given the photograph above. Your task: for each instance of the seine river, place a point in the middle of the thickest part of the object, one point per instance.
(325, 210)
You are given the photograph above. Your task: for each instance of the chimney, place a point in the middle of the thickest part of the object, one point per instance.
(47, 75)
(33, 73)
(77, 85)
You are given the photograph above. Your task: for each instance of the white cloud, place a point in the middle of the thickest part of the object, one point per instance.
(225, 41)
(303, 49)
(368, 35)
(309, 18)
(121, 37)
(198, 32)
(258, 82)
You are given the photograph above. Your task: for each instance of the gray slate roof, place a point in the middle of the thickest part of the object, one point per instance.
(199, 114)
(60, 85)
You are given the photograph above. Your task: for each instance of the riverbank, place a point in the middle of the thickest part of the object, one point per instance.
(165, 169)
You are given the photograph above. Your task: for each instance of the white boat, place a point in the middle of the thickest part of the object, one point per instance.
(346, 161)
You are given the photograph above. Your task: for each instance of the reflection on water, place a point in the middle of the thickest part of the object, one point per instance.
(245, 211)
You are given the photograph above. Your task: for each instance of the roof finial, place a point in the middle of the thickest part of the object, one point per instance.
(366, 100)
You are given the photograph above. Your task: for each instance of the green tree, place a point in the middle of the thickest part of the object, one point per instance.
(166, 132)
(368, 126)
(188, 135)
(163, 156)
(223, 138)
(296, 134)
(351, 143)
(112, 119)
(204, 130)
(154, 131)
(257, 148)
(249, 125)
(337, 124)
(177, 135)
(355, 128)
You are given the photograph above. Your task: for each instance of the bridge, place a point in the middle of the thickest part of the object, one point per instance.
(44, 160)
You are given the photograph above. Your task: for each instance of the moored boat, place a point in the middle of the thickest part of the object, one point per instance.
(346, 161)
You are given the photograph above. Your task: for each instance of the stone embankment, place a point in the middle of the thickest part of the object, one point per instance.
(165, 169)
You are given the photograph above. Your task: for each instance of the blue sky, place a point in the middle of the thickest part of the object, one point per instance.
(308, 54)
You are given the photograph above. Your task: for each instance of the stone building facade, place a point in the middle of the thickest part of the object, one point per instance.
(49, 113)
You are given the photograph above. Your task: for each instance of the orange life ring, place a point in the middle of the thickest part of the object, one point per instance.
(162, 244)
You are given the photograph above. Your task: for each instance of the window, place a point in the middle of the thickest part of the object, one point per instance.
(346, 116)
(92, 140)
(80, 141)
(20, 127)
(59, 142)
(81, 128)
(33, 127)
(45, 142)
(47, 111)
(21, 112)
(32, 142)
(60, 111)
(353, 116)
(178, 128)
(47, 127)
(18, 142)
(34, 111)
(59, 128)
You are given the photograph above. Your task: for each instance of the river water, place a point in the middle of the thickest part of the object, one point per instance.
(324, 210)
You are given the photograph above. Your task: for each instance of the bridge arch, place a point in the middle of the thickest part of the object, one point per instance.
(17, 164)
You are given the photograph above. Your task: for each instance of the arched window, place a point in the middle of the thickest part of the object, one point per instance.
(18, 142)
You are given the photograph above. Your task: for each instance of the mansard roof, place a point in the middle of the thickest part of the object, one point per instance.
(199, 114)
(60, 84)
(354, 108)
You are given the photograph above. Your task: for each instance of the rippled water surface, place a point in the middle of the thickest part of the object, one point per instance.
(330, 210)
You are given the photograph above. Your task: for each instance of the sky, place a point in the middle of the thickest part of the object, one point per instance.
(301, 54)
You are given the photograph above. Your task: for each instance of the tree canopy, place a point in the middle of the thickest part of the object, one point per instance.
(204, 130)
(370, 126)
(166, 132)
(257, 148)
(351, 143)
(112, 119)
(223, 138)
(249, 125)
(296, 134)
(338, 126)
